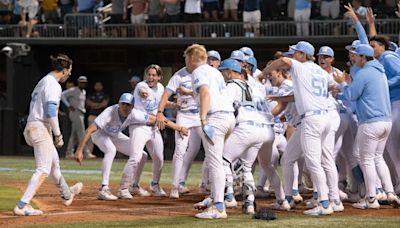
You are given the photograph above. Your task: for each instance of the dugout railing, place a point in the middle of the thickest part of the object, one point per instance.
(94, 26)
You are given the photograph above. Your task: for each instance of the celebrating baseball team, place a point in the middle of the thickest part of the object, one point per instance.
(337, 131)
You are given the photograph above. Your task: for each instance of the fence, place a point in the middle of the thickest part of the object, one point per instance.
(92, 26)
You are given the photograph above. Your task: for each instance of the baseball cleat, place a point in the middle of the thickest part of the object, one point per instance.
(319, 210)
(337, 206)
(281, 205)
(138, 191)
(297, 198)
(365, 204)
(156, 190)
(105, 194)
(342, 195)
(311, 203)
(381, 196)
(28, 210)
(249, 209)
(75, 190)
(203, 204)
(231, 204)
(174, 194)
(183, 189)
(212, 213)
(393, 199)
(90, 156)
(124, 194)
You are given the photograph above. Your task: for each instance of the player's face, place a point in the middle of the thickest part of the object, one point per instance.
(359, 60)
(66, 74)
(226, 74)
(124, 109)
(299, 56)
(352, 57)
(152, 78)
(274, 77)
(378, 48)
(325, 61)
(214, 62)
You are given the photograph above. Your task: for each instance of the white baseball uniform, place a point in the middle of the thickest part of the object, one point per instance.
(220, 117)
(187, 116)
(310, 87)
(143, 135)
(38, 134)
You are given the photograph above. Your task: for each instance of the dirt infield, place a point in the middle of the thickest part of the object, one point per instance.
(87, 208)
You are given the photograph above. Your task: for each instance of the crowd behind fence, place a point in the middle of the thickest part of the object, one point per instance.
(92, 26)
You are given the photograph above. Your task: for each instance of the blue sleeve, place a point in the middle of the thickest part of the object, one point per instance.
(352, 92)
(362, 35)
(392, 66)
(51, 109)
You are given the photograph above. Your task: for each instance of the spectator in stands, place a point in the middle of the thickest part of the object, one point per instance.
(66, 7)
(172, 15)
(192, 15)
(210, 10)
(119, 13)
(230, 10)
(139, 9)
(330, 8)
(155, 15)
(302, 13)
(5, 12)
(251, 17)
(361, 12)
(31, 8)
(96, 103)
(50, 11)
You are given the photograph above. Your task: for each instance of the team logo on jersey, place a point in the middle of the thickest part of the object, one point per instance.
(151, 105)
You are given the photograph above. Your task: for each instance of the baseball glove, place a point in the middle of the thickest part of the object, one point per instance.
(265, 214)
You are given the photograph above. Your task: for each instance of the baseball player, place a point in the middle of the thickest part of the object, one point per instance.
(147, 96)
(213, 58)
(310, 90)
(41, 129)
(188, 116)
(74, 99)
(217, 121)
(253, 129)
(370, 91)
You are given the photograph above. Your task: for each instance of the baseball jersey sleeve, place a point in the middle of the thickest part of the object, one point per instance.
(295, 69)
(104, 118)
(173, 84)
(199, 79)
(52, 94)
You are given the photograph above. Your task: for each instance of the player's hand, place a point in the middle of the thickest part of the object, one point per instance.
(398, 9)
(339, 78)
(351, 13)
(370, 16)
(79, 155)
(143, 93)
(160, 121)
(183, 131)
(272, 98)
(58, 141)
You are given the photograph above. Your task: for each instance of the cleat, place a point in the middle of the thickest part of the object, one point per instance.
(319, 210)
(90, 156)
(337, 206)
(138, 191)
(381, 196)
(297, 198)
(365, 204)
(281, 205)
(156, 190)
(183, 189)
(249, 209)
(393, 199)
(231, 204)
(105, 194)
(212, 213)
(311, 203)
(343, 196)
(174, 194)
(28, 210)
(75, 190)
(124, 194)
(203, 204)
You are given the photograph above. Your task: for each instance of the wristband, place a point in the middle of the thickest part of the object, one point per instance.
(159, 111)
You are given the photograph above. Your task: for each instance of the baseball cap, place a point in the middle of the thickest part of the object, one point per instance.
(82, 79)
(126, 98)
(353, 45)
(305, 47)
(214, 54)
(247, 51)
(325, 50)
(238, 55)
(364, 49)
(230, 64)
(393, 46)
(135, 78)
(290, 51)
(253, 61)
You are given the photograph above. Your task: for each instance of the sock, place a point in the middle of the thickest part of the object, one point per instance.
(315, 195)
(103, 187)
(295, 191)
(324, 203)
(182, 183)
(289, 198)
(154, 183)
(220, 206)
(229, 197)
(371, 199)
(21, 204)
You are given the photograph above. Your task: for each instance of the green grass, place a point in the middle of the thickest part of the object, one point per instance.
(241, 221)
(8, 197)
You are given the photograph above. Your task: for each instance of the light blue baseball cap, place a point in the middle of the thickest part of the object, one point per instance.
(364, 49)
(247, 51)
(126, 98)
(253, 61)
(325, 50)
(230, 64)
(214, 54)
(353, 45)
(393, 46)
(305, 47)
(290, 51)
(238, 55)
